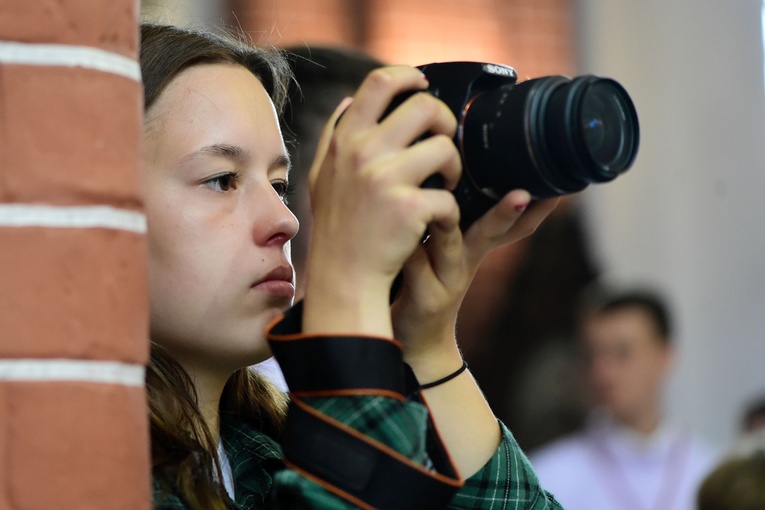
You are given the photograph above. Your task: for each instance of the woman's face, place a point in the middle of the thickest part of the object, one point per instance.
(219, 231)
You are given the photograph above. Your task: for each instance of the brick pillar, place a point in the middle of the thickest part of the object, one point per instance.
(73, 296)
(285, 22)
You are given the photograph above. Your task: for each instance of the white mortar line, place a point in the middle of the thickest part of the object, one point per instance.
(68, 56)
(41, 370)
(100, 216)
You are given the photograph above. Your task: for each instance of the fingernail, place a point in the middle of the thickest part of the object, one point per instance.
(521, 208)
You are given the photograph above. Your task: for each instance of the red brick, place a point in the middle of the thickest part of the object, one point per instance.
(534, 36)
(4, 442)
(70, 136)
(108, 25)
(73, 293)
(76, 446)
(296, 21)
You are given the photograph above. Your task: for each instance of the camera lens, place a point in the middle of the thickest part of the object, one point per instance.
(551, 136)
(588, 130)
(604, 145)
(606, 127)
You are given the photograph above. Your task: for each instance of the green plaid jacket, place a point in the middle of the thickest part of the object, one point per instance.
(507, 481)
(262, 480)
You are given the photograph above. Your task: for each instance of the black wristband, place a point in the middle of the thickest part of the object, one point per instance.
(447, 378)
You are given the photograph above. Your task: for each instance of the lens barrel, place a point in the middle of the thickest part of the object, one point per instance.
(550, 136)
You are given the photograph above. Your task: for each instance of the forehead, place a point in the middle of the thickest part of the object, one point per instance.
(214, 81)
(627, 326)
(221, 101)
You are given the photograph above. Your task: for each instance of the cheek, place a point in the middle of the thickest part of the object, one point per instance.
(181, 245)
(181, 276)
(639, 378)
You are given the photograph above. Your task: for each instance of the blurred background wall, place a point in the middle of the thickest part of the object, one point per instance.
(691, 215)
(688, 218)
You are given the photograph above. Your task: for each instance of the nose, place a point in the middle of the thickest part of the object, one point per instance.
(274, 223)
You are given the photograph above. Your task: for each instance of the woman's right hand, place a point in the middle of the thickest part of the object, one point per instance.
(369, 211)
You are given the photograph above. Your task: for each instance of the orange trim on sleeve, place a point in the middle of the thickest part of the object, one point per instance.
(329, 487)
(379, 446)
(301, 336)
(350, 393)
(271, 325)
(438, 435)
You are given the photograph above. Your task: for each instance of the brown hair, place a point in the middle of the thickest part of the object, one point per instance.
(184, 458)
(167, 50)
(736, 484)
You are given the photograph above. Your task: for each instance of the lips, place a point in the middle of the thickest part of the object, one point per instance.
(281, 273)
(277, 282)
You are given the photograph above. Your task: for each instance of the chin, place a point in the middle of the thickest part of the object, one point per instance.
(273, 313)
(236, 359)
(281, 303)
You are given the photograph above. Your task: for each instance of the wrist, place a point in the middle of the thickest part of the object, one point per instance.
(445, 379)
(357, 305)
(435, 364)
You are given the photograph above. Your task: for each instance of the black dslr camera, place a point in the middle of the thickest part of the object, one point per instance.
(550, 136)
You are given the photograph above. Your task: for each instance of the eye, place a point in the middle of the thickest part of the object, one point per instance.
(283, 188)
(223, 182)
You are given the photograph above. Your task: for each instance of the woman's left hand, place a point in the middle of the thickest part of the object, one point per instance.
(436, 278)
(439, 272)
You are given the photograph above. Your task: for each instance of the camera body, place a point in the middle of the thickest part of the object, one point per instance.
(550, 136)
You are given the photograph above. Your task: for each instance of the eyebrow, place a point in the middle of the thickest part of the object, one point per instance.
(237, 153)
(222, 150)
(282, 160)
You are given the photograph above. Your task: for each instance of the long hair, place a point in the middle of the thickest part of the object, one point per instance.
(184, 454)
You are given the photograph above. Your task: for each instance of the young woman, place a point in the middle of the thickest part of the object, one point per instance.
(359, 432)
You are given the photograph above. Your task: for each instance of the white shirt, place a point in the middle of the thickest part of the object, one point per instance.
(271, 369)
(608, 467)
(228, 473)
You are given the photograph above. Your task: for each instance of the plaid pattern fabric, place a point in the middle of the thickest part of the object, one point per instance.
(254, 458)
(507, 482)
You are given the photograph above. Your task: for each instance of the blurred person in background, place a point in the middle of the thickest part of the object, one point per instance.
(754, 416)
(738, 482)
(629, 456)
(751, 434)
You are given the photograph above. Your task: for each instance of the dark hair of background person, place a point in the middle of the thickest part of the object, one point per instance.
(183, 452)
(647, 301)
(736, 484)
(324, 75)
(754, 416)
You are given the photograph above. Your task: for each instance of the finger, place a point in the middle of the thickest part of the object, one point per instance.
(498, 220)
(325, 140)
(419, 115)
(532, 218)
(437, 207)
(512, 219)
(416, 267)
(378, 90)
(444, 248)
(413, 165)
